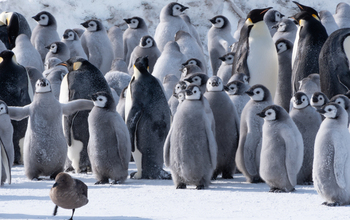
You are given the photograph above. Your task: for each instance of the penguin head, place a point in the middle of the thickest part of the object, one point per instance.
(3, 108)
(240, 77)
(302, 17)
(282, 45)
(180, 96)
(319, 99)
(103, 100)
(259, 93)
(220, 21)
(8, 56)
(69, 34)
(214, 84)
(228, 58)
(342, 8)
(193, 92)
(175, 9)
(197, 79)
(256, 16)
(52, 47)
(331, 110)
(341, 100)
(193, 61)
(147, 42)
(234, 87)
(44, 18)
(308, 10)
(271, 113)
(300, 100)
(180, 86)
(189, 69)
(273, 16)
(52, 62)
(42, 86)
(135, 22)
(92, 25)
(76, 64)
(141, 65)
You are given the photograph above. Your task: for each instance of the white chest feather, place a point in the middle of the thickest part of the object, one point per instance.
(346, 45)
(64, 92)
(295, 47)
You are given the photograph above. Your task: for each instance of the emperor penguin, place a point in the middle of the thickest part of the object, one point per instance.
(249, 146)
(334, 63)
(146, 47)
(7, 153)
(59, 50)
(115, 35)
(190, 149)
(286, 29)
(226, 127)
(44, 33)
(170, 23)
(169, 82)
(173, 101)
(255, 52)
(342, 15)
(282, 150)
(26, 54)
(331, 165)
(198, 79)
(310, 37)
(237, 33)
(272, 18)
(97, 45)
(192, 29)
(308, 122)
(310, 84)
(328, 21)
(196, 62)
(189, 47)
(13, 24)
(240, 77)
(72, 40)
(219, 40)
(190, 69)
(109, 149)
(344, 102)
(284, 84)
(169, 62)
(318, 100)
(225, 69)
(82, 80)
(137, 28)
(236, 90)
(45, 147)
(16, 90)
(146, 109)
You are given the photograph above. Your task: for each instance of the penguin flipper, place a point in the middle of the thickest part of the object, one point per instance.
(249, 153)
(18, 113)
(224, 44)
(340, 157)
(133, 119)
(123, 151)
(76, 105)
(6, 162)
(167, 148)
(212, 145)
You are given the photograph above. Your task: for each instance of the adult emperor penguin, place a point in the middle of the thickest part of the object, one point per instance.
(147, 47)
(219, 40)
(344, 102)
(249, 147)
(272, 18)
(72, 40)
(281, 151)
(44, 33)
(7, 153)
(97, 45)
(342, 15)
(311, 36)
(82, 80)
(226, 127)
(308, 122)
(190, 149)
(331, 166)
(225, 69)
(284, 85)
(26, 54)
(146, 108)
(16, 90)
(115, 35)
(109, 149)
(170, 23)
(45, 147)
(255, 52)
(59, 50)
(287, 29)
(334, 63)
(12, 24)
(137, 28)
(237, 92)
(328, 21)
(169, 62)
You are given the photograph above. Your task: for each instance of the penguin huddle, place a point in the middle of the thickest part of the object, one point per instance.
(104, 97)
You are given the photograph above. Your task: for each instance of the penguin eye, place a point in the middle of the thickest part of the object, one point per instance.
(321, 98)
(303, 99)
(269, 113)
(209, 83)
(329, 110)
(195, 91)
(99, 99)
(257, 92)
(42, 17)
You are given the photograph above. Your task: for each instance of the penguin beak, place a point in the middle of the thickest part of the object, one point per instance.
(215, 84)
(85, 24)
(212, 20)
(226, 88)
(321, 110)
(65, 36)
(222, 58)
(250, 93)
(48, 47)
(188, 92)
(314, 99)
(261, 114)
(127, 20)
(188, 80)
(36, 18)
(298, 102)
(275, 26)
(93, 97)
(55, 184)
(63, 64)
(184, 8)
(282, 15)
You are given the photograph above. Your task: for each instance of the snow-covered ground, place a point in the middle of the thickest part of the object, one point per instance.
(158, 199)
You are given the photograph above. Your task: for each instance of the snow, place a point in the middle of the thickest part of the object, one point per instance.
(158, 199)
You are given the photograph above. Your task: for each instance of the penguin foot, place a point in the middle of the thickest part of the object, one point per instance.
(226, 175)
(115, 182)
(333, 204)
(181, 186)
(256, 179)
(164, 175)
(69, 169)
(276, 190)
(102, 182)
(199, 187)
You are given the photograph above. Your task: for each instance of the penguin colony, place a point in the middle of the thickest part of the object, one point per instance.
(95, 98)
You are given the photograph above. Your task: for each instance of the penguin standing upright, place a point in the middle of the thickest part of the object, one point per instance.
(196, 62)
(287, 29)
(7, 153)
(237, 92)
(255, 52)
(342, 15)
(72, 40)
(271, 18)
(59, 50)
(192, 29)
(147, 117)
(328, 21)
(225, 69)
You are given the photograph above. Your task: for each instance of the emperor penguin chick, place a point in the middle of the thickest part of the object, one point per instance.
(109, 149)
(281, 151)
(331, 166)
(72, 40)
(59, 50)
(190, 149)
(225, 69)
(237, 92)
(226, 127)
(7, 152)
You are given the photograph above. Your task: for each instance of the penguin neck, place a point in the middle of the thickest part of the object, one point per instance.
(259, 31)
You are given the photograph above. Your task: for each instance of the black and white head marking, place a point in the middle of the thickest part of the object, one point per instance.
(42, 85)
